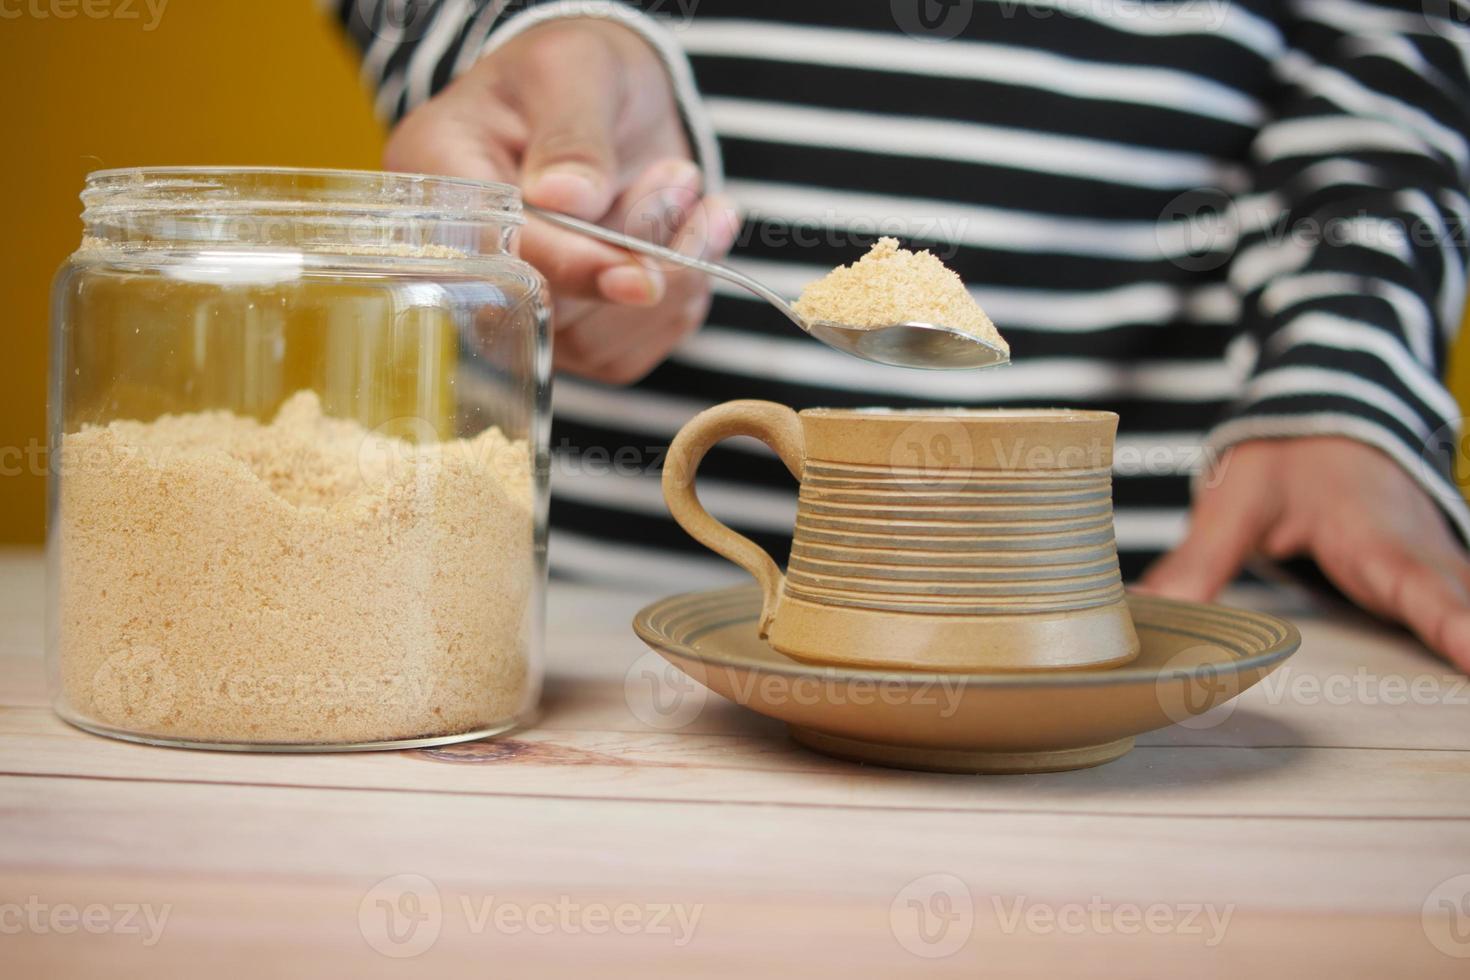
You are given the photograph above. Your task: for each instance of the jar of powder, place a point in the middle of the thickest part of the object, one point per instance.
(298, 436)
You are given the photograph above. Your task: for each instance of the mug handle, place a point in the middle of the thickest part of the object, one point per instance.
(775, 425)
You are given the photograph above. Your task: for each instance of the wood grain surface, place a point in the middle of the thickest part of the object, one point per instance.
(1320, 829)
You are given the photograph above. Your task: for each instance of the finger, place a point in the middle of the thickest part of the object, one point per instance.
(641, 353)
(711, 229)
(651, 209)
(651, 204)
(571, 161)
(1397, 581)
(575, 266)
(633, 285)
(1227, 524)
(655, 205)
(726, 224)
(1289, 538)
(437, 138)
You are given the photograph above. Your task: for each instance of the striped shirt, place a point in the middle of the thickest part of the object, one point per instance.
(1222, 220)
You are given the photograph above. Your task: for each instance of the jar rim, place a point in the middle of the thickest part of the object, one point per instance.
(320, 190)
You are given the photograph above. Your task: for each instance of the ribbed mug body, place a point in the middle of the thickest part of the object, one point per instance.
(965, 540)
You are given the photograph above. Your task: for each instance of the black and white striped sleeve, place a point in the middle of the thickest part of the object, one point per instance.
(1352, 251)
(413, 48)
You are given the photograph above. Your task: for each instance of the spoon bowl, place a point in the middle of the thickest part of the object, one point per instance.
(912, 344)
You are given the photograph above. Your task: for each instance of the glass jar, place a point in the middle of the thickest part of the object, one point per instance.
(298, 425)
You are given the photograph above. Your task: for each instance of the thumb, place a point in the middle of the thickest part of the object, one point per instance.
(1227, 523)
(571, 162)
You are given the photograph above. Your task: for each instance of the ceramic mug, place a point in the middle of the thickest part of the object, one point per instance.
(951, 540)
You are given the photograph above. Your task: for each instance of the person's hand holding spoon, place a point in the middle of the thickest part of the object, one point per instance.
(581, 115)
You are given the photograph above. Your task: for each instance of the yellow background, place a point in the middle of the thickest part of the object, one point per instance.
(215, 82)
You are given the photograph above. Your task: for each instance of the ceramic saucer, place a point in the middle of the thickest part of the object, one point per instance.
(1194, 656)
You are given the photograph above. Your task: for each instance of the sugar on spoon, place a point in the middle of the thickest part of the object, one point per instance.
(912, 344)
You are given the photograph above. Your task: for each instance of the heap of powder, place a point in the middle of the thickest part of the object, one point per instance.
(302, 581)
(894, 285)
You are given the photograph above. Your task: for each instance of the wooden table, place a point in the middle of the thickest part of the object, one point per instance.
(1317, 831)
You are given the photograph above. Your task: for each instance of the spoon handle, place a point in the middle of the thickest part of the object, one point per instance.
(645, 247)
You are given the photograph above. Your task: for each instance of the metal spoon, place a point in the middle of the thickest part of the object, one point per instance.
(912, 344)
